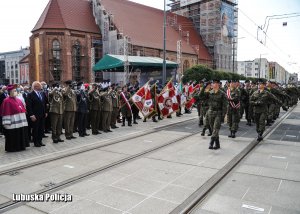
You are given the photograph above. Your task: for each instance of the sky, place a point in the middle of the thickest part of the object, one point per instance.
(19, 17)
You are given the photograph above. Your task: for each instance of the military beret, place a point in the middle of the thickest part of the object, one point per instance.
(246, 81)
(80, 83)
(216, 81)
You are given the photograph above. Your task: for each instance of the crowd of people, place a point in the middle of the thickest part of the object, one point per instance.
(28, 113)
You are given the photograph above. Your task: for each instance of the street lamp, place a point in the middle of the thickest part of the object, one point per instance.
(164, 77)
(260, 64)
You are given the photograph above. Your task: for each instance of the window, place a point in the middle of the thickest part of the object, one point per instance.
(186, 65)
(76, 61)
(55, 62)
(256, 69)
(256, 63)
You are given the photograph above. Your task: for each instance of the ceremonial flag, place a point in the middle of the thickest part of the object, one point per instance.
(167, 101)
(126, 101)
(143, 100)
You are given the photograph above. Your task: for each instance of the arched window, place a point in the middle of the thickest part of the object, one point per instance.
(186, 65)
(55, 62)
(76, 61)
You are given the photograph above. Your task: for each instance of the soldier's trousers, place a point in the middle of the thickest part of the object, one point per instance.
(99, 119)
(242, 109)
(106, 119)
(56, 124)
(114, 116)
(214, 118)
(205, 118)
(69, 118)
(247, 112)
(94, 121)
(260, 119)
(233, 119)
(271, 111)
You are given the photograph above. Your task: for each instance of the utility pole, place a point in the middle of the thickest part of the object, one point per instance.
(164, 77)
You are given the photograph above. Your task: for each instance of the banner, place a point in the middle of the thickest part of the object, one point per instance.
(143, 101)
(167, 100)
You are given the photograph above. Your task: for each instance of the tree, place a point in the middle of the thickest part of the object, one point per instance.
(197, 73)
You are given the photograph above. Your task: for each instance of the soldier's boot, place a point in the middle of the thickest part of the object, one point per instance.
(200, 122)
(129, 121)
(134, 121)
(123, 121)
(217, 145)
(268, 122)
(260, 137)
(211, 144)
(144, 119)
(154, 120)
(210, 132)
(233, 134)
(203, 132)
(230, 135)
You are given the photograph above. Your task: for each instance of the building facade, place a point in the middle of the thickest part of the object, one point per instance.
(133, 29)
(24, 70)
(11, 73)
(65, 43)
(216, 21)
(261, 68)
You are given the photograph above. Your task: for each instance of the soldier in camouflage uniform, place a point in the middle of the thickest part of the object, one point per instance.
(94, 105)
(217, 103)
(107, 109)
(204, 108)
(233, 113)
(115, 103)
(56, 113)
(70, 108)
(125, 106)
(260, 99)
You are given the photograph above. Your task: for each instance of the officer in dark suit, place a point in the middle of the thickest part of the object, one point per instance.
(36, 108)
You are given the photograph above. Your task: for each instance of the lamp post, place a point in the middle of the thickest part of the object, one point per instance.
(164, 77)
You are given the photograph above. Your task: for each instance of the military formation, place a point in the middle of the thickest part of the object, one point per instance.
(77, 106)
(259, 101)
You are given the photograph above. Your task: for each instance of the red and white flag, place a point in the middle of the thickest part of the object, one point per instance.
(167, 100)
(143, 100)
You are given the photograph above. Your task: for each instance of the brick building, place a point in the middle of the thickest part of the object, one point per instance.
(64, 42)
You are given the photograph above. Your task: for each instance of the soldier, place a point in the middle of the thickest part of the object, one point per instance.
(56, 112)
(115, 104)
(233, 113)
(94, 99)
(82, 110)
(246, 99)
(204, 108)
(259, 100)
(217, 102)
(70, 108)
(125, 106)
(107, 109)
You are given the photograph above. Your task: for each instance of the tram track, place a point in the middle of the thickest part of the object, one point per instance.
(195, 199)
(186, 207)
(4, 207)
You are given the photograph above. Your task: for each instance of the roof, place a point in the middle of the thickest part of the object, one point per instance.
(68, 14)
(110, 61)
(25, 59)
(144, 26)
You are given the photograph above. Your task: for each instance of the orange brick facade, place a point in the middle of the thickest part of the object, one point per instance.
(68, 64)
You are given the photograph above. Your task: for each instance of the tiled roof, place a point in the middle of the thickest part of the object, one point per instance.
(68, 14)
(144, 26)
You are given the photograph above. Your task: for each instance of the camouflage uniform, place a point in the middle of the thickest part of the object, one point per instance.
(216, 111)
(260, 100)
(233, 113)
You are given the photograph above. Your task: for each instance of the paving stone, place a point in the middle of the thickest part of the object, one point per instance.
(24, 210)
(83, 188)
(116, 198)
(153, 205)
(108, 177)
(83, 206)
(173, 193)
(139, 185)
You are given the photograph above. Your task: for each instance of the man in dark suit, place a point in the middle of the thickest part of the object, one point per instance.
(36, 108)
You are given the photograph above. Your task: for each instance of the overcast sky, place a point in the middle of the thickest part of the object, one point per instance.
(18, 18)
